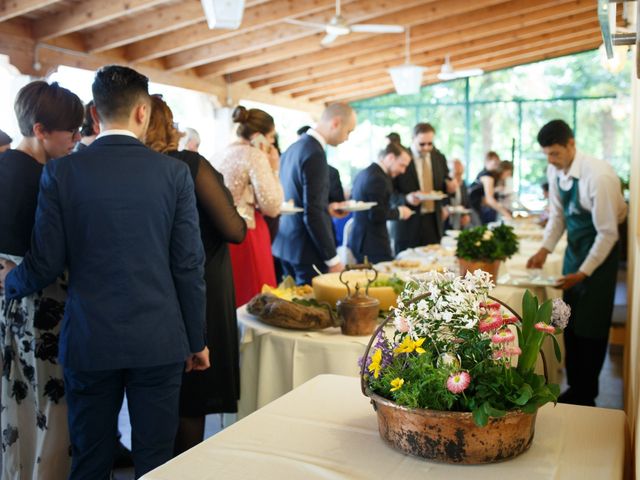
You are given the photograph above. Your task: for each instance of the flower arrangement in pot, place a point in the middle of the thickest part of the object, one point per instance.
(484, 248)
(443, 381)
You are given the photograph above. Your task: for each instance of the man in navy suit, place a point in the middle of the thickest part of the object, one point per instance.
(122, 219)
(427, 172)
(306, 239)
(369, 235)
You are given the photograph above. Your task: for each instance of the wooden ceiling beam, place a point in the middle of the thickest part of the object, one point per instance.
(446, 44)
(266, 59)
(377, 11)
(14, 8)
(432, 79)
(438, 47)
(88, 14)
(135, 29)
(480, 58)
(471, 25)
(254, 17)
(546, 46)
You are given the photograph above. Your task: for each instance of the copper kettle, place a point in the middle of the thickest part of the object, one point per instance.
(358, 312)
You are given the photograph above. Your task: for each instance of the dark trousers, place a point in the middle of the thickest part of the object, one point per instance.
(584, 358)
(424, 232)
(94, 399)
(301, 272)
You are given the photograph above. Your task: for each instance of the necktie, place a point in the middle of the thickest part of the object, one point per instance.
(428, 206)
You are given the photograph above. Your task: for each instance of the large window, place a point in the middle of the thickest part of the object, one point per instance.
(503, 111)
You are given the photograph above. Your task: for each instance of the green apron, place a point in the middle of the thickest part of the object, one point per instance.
(591, 300)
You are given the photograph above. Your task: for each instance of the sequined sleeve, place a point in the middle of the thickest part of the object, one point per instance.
(266, 185)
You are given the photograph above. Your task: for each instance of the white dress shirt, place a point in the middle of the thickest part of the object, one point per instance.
(599, 193)
(313, 133)
(128, 133)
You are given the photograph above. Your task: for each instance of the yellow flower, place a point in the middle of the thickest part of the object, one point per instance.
(408, 345)
(396, 384)
(375, 366)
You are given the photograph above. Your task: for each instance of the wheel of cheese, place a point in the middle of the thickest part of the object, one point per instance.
(327, 288)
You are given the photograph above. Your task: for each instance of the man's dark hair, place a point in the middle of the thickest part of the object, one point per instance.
(392, 148)
(87, 125)
(55, 107)
(117, 90)
(393, 137)
(303, 129)
(556, 132)
(423, 128)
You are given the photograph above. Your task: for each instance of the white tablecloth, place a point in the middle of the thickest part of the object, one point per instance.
(327, 430)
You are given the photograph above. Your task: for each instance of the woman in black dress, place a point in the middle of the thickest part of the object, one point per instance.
(35, 436)
(217, 389)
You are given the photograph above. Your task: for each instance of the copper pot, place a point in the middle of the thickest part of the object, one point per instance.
(358, 312)
(473, 265)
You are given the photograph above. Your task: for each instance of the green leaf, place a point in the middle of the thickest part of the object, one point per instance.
(544, 312)
(529, 311)
(530, 408)
(556, 348)
(491, 411)
(526, 392)
(480, 417)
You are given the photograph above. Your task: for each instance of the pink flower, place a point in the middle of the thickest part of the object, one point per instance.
(544, 327)
(458, 382)
(490, 305)
(509, 319)
(503, 336)
(401, 324)
(490, 323)
(506, 353)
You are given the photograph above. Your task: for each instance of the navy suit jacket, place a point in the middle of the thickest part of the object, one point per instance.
(306, 237)
(123, 220)
(369, 235)
(408, 230)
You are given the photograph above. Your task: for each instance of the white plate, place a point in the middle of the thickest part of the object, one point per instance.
(431, 196)
(357, 206)
(452, 233)
(459, 210)
(524, 280)
(288, 209)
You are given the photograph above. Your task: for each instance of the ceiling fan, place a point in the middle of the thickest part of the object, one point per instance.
(339, 26)
(447, 71)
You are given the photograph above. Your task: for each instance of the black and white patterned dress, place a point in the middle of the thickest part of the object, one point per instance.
(33, 427)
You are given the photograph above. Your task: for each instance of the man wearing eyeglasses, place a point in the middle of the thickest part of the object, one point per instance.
(427, 176)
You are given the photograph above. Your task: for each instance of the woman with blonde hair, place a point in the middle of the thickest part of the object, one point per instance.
(250, 169)
(201, 392)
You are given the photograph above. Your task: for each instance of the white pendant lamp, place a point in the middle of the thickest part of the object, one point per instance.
(223, 13)
(407, 78)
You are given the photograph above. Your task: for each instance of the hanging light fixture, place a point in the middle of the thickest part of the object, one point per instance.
(407, 78)
(223, 13)
(617, 62)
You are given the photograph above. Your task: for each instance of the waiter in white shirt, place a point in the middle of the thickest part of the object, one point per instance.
(585, 199)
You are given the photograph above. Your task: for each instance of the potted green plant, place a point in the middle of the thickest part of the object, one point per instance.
(454, 380)
(484, 248)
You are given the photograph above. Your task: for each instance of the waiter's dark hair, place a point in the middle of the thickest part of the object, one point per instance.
(556, 132)
(86, 130)
(55, 107)
(117, 90)
(392, 148)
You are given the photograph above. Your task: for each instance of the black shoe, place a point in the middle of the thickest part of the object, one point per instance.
(123, 458)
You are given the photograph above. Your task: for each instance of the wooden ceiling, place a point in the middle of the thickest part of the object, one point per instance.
(268, 59)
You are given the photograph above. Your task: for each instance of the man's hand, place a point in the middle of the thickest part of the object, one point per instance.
(412, 198)
(537, 260)
(452, 185)
(335, 210)
(570, 280)
(5, 267)
(405, 212)
(198, 361)
(338, 267)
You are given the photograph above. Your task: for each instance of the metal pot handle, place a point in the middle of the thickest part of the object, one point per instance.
(363, 386)
(366, 265)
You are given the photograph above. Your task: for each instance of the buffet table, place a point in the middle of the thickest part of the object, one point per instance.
(326, 429)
